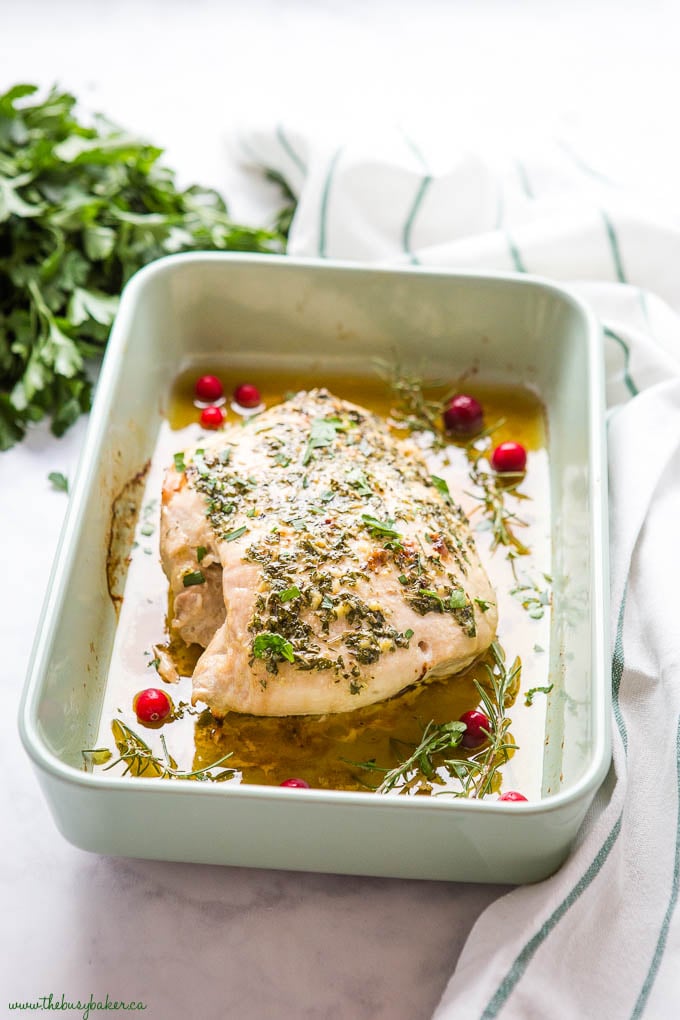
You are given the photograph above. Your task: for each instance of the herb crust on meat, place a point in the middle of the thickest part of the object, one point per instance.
(318, 562)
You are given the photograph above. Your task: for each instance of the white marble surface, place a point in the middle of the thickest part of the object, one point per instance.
(221, 942)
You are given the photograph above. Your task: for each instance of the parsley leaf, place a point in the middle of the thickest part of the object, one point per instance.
(193, 577)
(380, 528)
(442, 487)
(268, 645)
(322, 433)
(59, 481)
(82, 208)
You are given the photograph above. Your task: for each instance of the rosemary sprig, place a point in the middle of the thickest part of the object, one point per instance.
(477, 772)
(140, 760)
(420, 765)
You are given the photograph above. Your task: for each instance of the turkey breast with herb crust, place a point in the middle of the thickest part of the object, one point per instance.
(318, 563)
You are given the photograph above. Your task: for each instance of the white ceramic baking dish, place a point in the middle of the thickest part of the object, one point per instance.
(334, 318)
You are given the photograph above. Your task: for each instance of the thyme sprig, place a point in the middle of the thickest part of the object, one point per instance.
(527, 590)
(421, 765)
(492, 491)
(418, 413)
(413, 411)
(140, 760)
(477, 772)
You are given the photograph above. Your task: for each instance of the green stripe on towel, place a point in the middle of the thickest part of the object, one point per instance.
(615, 249)
(289, 150)
(581, 163)
(641, 1003)
(524, 179)
(523, 959)
(630, 385)
(323, 213)
(515, 255)
(417, 201)
(413, 212)
(617, 673)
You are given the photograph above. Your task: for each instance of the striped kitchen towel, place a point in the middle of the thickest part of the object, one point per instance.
(601, 938)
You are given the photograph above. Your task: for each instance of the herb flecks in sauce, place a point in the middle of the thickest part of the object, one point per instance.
(140, 760)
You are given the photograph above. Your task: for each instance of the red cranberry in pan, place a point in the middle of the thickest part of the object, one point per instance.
(247, 395)
(208, 389)
(152, 705)
(477, 725)
(463, 415)
(212, 417)
(509, 457)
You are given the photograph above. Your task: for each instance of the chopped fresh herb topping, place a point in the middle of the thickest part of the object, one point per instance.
(408, 634)
(441, 486)
(233, 535)
(201, 552)
(533, 691)
(193, 577)
(272, 646)
(199, 462)
(322, 433)
(179, 462)
(379, 528)
(456, 600)
(358, 481)
(289, 593)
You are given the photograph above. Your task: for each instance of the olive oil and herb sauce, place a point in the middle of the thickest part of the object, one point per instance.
(477, 734)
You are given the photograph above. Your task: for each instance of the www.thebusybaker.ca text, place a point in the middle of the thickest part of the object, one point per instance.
(92, 1005)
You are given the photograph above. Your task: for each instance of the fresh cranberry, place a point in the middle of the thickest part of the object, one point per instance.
(212, 417)
(509, 457)
(463, 415)
(152, 705)
(476, 723)
(296, 784)
(247, 395)
(512, 795)
(208, 389)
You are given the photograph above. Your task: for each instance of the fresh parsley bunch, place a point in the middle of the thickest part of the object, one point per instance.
(82, 207)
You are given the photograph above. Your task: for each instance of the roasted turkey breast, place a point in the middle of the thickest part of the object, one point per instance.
(318, 563)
